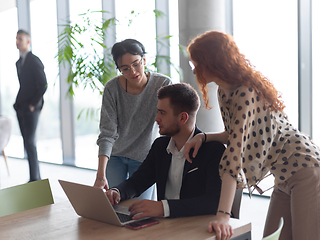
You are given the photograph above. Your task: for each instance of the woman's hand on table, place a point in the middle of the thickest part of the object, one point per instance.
(221, 226)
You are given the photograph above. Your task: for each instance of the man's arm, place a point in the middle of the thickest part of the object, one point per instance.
(40, 80)
(143, 178)
(146, 175)
(199, 193)
(146, 208)
(206, 202)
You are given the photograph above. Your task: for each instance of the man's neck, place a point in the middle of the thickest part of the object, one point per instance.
(23, 52)
(182, 137)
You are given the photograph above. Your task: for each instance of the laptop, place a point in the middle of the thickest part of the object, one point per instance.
(92, 202)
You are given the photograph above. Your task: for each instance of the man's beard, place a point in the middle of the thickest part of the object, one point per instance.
(173, 130)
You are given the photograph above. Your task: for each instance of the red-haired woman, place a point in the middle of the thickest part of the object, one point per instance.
(260, 139)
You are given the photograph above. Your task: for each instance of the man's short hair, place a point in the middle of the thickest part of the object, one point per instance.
(183, 98)
(21, 31)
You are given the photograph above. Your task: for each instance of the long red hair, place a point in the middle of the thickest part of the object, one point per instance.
(217, 54)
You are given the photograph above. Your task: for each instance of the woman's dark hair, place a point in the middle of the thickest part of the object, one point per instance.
(131, 46)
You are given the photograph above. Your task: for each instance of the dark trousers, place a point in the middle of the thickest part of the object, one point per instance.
(28, 122)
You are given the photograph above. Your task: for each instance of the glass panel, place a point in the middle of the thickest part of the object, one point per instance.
(174, 40)
(132, 24)
(137, 21)
(316, 71)
(8, 78)
(86, 128)
(269, 41)
(44, 45)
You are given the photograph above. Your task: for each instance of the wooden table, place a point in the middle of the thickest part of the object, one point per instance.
(59, 221)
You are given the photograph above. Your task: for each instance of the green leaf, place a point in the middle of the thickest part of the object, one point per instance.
(82, 49)
(158, 14)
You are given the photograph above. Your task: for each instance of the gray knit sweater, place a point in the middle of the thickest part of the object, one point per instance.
(127, 126)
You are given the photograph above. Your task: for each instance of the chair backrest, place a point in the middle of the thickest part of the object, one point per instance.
(5, 131)
(237, 203)
(276, 234)
(24, 197)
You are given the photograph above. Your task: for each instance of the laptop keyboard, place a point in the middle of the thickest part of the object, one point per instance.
(123, 217)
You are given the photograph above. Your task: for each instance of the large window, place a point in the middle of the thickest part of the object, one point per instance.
(86, 126)
(270, 42)
(138, 23)
(316, 71)
(131, 23)
(44, 45)
(174, 40)
(9, 54)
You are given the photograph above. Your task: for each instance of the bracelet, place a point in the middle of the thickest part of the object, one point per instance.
(224, 212)
(205, 137)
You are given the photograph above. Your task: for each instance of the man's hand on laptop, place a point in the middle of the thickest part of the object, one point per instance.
(146, 208)
(113, 195)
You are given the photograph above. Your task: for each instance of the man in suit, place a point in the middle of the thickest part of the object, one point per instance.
(29, 100)
(183, 188)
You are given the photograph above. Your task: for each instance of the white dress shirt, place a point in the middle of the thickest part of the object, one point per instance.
(174, 180)
(23, 56)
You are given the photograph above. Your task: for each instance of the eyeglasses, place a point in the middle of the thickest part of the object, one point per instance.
(134, 66)
(193, 68)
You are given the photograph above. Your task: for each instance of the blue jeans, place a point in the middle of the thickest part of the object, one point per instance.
(121, 168)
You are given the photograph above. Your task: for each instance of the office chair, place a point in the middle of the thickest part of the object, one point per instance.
(235, 210)
(24, 197)
(5, 133)
(276, 234)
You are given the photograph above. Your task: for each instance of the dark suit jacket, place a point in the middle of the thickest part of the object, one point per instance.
(201, 184)
(33, 83)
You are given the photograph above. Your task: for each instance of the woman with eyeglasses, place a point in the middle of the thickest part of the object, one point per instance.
(129, 107)
(260, 139)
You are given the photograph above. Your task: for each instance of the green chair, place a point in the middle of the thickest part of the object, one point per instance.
(24, 197)
(276, 234)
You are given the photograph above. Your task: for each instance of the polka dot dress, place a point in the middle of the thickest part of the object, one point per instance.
(261, 140)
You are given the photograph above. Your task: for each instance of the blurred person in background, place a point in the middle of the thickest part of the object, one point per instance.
(29, 100)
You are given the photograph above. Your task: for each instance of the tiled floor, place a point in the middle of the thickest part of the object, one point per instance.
(253, 210)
